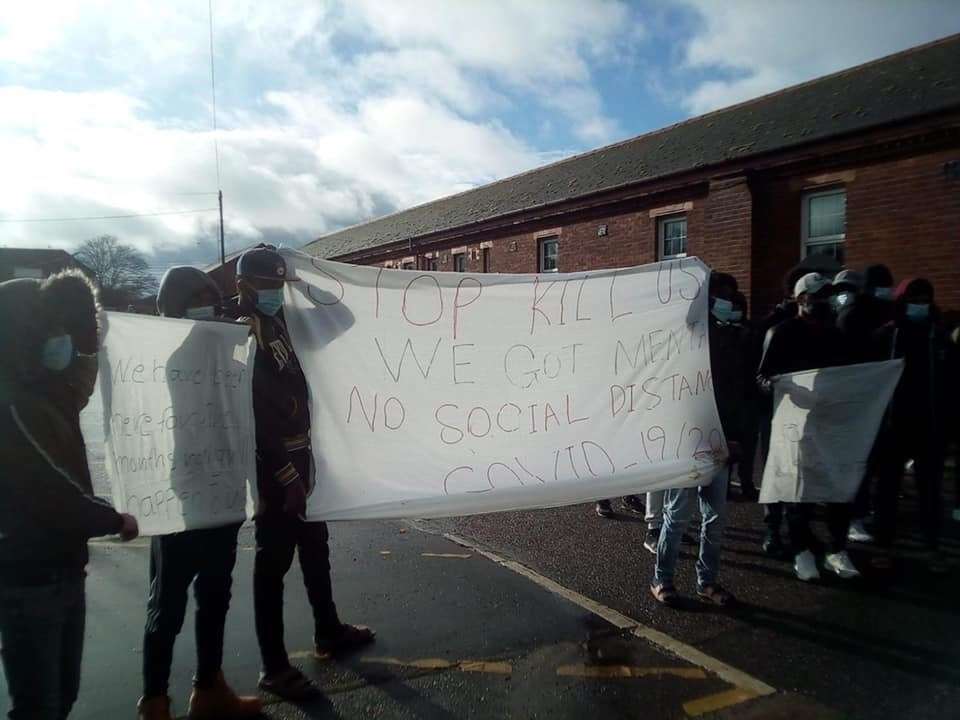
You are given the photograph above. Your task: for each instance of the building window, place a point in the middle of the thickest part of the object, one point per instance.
(672, 237)
(430, 264)
(485, 259)
(825, 223)
(549, 248)
(460, 262)
(408, 266)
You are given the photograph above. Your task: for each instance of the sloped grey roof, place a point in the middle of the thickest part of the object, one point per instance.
(915, 82)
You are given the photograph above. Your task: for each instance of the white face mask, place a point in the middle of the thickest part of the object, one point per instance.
(207, 312)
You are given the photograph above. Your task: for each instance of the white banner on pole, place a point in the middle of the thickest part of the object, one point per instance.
(824, 425)
(177, 420)
(438, 394)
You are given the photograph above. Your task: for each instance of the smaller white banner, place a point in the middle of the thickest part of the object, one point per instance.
(178, 420)
(824, 425)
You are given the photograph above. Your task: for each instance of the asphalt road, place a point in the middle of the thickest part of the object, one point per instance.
(879, 647)
(459, 636)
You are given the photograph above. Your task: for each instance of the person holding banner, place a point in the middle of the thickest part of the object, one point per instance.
(204, 557)
(284, 480)
(806, 342)
(917, 418)
(48, 367)
(726, 367)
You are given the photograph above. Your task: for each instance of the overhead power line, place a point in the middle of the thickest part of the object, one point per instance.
(106, 217)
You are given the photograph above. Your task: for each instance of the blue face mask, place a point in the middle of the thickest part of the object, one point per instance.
(841, 299)
(57, 353)
(918, 312)
(721, 309)
(736, 316)
(270, 300)
(883, 293)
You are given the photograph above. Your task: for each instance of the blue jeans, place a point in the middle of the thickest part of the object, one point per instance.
(41, 634)
(677, 507)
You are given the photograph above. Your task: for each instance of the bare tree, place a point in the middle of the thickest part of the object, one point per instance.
(120, 270)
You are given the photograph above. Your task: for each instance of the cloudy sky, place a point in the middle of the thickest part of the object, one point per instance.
(332, 112)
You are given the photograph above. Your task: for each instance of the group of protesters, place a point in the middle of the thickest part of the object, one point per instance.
(48, 367)
(825, 320)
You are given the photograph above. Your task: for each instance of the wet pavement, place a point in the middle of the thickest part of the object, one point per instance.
(460, 636)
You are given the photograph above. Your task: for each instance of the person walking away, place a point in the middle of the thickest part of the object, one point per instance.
(204, 557)
(48, 367)
(916, 419)
(806, 342)
(284, 480)
(726, 367)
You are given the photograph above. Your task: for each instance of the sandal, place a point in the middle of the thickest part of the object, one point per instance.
(289, 684)
(664, 594)
(715, 595)
(345, 639)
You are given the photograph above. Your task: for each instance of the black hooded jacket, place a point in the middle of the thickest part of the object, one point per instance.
(48, 510)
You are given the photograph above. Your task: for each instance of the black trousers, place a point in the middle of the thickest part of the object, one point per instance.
(205, 558)
(898, 446)
(278, 537)
(802, 538)
(41, 636)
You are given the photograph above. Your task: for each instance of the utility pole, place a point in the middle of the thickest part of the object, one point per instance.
(223, 257)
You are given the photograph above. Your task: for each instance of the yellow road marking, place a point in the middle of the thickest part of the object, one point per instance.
(481, 666)
(717, 701)
(627, 671)
(459, 556)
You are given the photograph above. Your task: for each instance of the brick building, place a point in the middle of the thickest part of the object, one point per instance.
(35, 263)
(862, 165)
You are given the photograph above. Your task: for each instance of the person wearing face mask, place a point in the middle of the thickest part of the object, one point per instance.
(915, 427)
(284, 480)
(726, 367)
(806, 342)
(202, 557)
(48, 510)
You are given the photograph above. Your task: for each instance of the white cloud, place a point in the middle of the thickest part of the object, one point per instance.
(766, 46)
(330, 112)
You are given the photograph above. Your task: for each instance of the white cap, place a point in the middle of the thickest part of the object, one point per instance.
(849, 277)
(810, 283)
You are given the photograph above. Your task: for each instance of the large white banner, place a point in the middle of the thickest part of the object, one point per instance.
(177, 420)
(824, 425)
(439, 394)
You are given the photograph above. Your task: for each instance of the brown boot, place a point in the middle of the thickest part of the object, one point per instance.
(155, 708)
(219, 702)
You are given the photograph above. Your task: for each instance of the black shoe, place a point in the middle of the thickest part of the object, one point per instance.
(652, 539)
(344, 639)
(634, 504)
(604, 509)
(773, 547)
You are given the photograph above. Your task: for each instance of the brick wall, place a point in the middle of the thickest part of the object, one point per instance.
(903, 212)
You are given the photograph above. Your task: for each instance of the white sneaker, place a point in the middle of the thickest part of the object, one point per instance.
(841, 564)
(858, 533)
(805, 566)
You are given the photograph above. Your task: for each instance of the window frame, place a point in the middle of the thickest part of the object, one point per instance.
(662, 222)
(840, 239)
(542, 243)
(432, 264)
(485, 259)
(460, 259)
